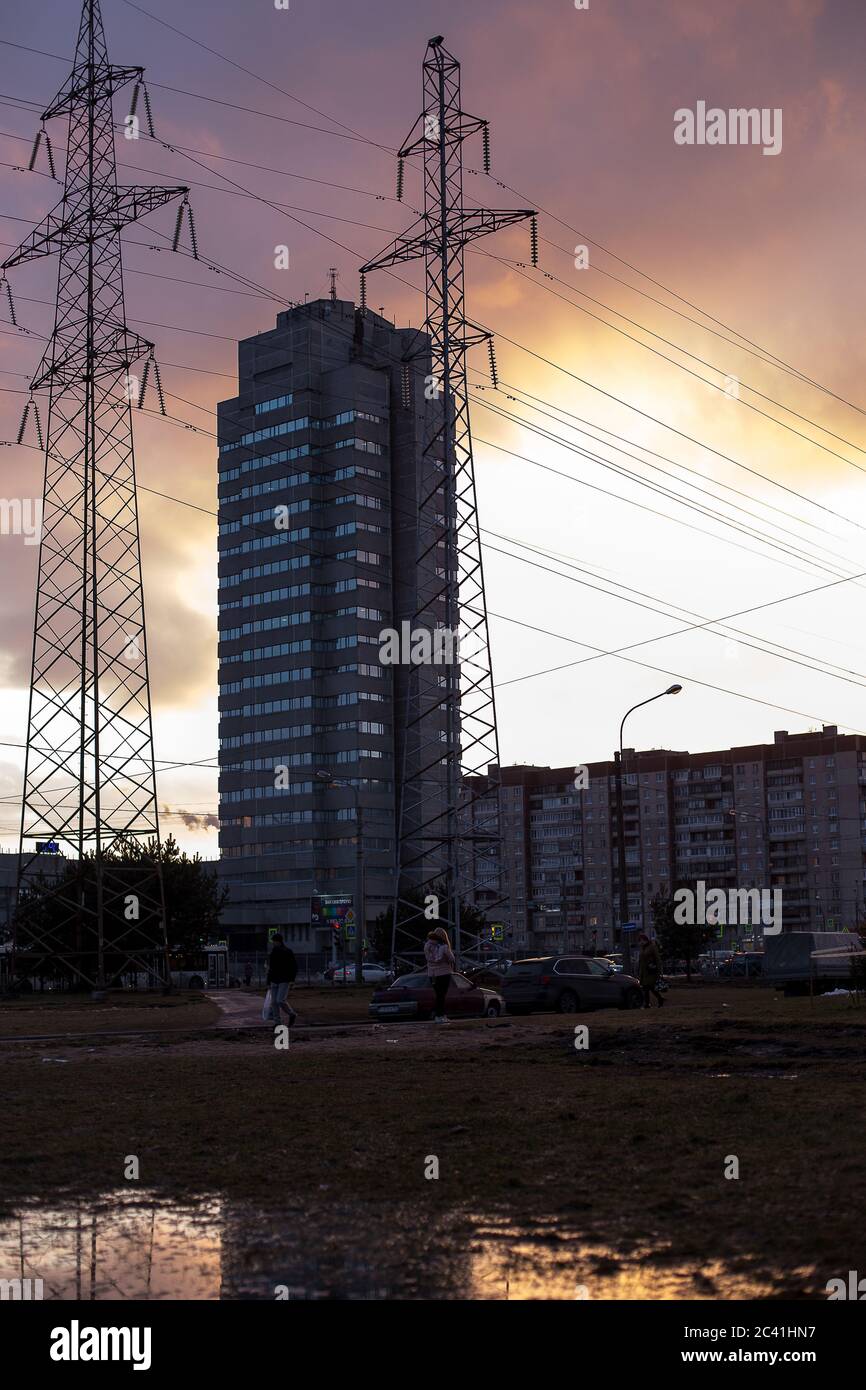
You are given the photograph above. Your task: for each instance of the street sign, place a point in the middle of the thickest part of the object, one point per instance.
(334, 910)
(497, 931)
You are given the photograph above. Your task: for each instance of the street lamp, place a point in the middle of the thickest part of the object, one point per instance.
(329, 780)
(625, 937)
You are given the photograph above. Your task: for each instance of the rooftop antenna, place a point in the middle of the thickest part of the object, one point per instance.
(332, 275)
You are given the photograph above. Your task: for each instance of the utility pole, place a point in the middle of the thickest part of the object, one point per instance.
(625, 937)
(624, 942)
(446, 714)
(89, 779)
(360, 901)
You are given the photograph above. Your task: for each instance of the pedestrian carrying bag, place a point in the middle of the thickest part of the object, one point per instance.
(267, 1007)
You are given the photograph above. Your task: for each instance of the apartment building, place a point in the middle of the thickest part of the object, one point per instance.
(789, 815)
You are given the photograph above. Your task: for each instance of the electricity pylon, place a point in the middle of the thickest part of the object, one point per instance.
(89, 780)
(448, 846)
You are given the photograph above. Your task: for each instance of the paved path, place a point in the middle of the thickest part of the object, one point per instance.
(238, 1009)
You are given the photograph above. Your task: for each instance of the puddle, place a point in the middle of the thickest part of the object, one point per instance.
(750, 1072)
(138, 1246)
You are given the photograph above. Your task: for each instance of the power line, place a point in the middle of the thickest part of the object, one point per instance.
(746, 344)
(714, 385)
(514, 343)
(673, 293)
(338, 243)
(673, 429)
(515, 268)
(258, 77)
(526, 424)
(786, 653)
(661, 670)
(177, 328)
(533, 202)
(198, 332)
(653, 487)
(531, 402)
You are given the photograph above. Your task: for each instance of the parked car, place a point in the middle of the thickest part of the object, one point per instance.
(371, 974)
(743, 964)
(567, 984)
(491, 976)
(411, 996)
(614, 963)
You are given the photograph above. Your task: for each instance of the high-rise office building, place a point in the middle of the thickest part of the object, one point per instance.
(321, 461)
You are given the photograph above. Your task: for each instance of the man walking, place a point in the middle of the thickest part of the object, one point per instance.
(282, 969)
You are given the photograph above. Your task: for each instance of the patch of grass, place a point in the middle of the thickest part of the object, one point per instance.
(75, 1013)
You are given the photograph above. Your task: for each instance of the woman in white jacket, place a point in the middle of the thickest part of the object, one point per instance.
(440, 965)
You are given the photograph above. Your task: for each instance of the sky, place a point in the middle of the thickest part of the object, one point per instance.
(709, 350)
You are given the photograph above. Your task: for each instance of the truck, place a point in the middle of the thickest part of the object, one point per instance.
(810, 962)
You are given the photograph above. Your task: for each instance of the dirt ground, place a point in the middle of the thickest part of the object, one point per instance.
(632, 1135)
(39, 1014)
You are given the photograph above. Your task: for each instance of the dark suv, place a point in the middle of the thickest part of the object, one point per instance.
(568, 983)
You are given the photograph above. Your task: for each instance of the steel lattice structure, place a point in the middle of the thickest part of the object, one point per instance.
(89, 781)
(446, 736)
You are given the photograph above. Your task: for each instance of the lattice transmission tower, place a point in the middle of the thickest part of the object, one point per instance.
(446, 737)
(89, 780)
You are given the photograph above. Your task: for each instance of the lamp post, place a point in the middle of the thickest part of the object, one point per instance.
(329, 780)
(625, 937)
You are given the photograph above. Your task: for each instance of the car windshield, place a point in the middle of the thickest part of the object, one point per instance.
(411, 982)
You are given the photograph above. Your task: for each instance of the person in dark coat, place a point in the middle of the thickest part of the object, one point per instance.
(649, 970)
(282, 969)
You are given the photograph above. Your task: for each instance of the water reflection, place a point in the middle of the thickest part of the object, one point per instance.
(121, 1246)
(135, 1245)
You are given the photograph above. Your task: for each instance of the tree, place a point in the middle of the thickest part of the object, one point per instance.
(414, 926)
(194, 901)
(678, 940)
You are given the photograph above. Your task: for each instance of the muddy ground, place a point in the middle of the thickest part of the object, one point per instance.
(630, 1138)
